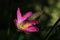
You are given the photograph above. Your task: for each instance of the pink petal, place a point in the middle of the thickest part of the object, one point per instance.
(19, 16)
(33, 22)
(28, 14)
(15, 22)
(32, 29)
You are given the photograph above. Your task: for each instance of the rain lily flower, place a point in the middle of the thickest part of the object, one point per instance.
(25, 25)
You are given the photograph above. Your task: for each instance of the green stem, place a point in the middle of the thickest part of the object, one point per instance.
(27, 36)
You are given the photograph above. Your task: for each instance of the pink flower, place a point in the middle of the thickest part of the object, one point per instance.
(25, 25)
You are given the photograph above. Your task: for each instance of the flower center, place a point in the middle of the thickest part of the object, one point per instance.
(23, 25)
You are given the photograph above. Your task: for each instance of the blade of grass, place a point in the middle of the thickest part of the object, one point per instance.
(49, 34)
